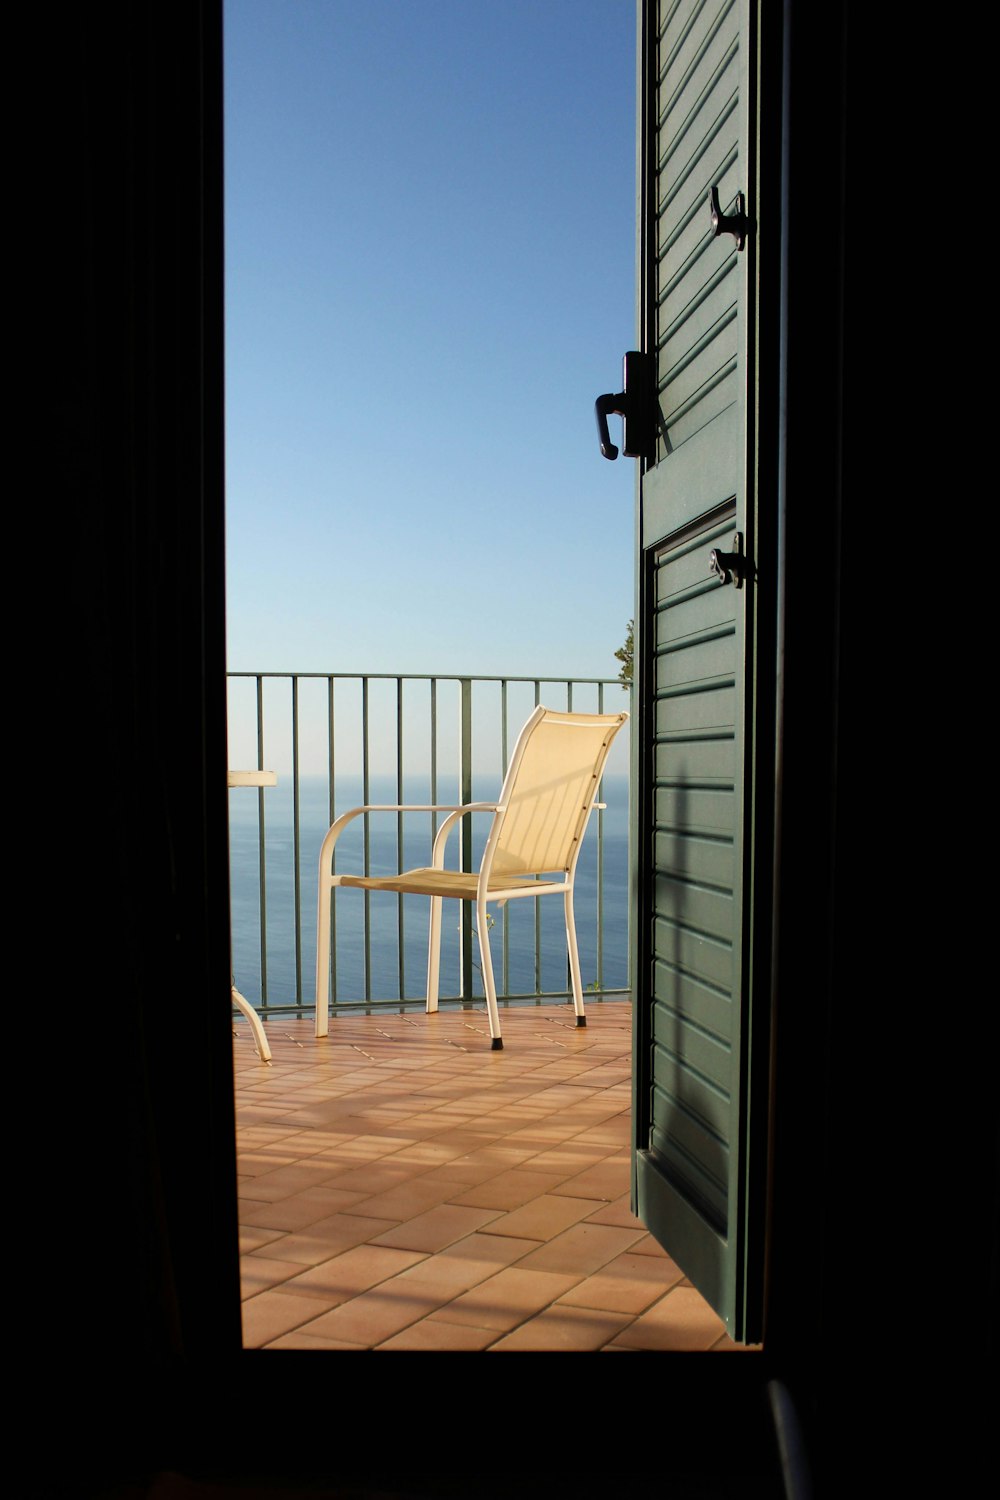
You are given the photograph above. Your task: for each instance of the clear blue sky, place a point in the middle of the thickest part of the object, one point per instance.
(430, 277)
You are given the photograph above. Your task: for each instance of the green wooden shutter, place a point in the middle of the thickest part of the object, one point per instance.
(693, 1177)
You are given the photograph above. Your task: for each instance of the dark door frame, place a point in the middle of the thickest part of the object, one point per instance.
(145, 1307)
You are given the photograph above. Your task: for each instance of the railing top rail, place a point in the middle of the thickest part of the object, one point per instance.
(436, 677)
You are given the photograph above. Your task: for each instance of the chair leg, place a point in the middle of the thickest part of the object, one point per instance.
(488, 981)
(574, 960)
(434, 955)
(256, 1026)
(323, 959)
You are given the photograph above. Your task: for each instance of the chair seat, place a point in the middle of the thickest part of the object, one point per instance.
(463, 885)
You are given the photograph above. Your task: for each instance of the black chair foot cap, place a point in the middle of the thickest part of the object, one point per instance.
(497, 1044)
(581, 1020)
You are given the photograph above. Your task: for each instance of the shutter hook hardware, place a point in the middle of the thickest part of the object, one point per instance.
(730, 567)
(737, 224)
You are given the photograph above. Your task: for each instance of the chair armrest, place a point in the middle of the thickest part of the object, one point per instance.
(339, 824)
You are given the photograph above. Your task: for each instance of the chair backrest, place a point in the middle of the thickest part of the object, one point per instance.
(548, 792)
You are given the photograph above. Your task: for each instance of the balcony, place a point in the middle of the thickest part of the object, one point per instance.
(402, 1186)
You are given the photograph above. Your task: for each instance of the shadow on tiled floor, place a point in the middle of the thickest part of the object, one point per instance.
(404, 1187)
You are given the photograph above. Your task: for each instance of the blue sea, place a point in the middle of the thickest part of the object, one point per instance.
(290, 954)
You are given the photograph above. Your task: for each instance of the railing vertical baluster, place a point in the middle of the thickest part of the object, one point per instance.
(600, 864)
(569, 710)
(434, 754)
(465, 795)
(366, 820)
(503, 773)
(261, 844)
(296, 841)
(332, 796)
(537, 904)
(400, 938)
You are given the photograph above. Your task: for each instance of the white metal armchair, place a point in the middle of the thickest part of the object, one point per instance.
(538, 825)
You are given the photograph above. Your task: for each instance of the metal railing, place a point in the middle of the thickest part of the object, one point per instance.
(347, 739)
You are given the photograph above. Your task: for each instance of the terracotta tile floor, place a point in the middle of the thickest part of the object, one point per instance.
(404, 1187)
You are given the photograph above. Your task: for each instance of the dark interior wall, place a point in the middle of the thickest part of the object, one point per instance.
(885, 1120)
(834, 1259)
(129, 733)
